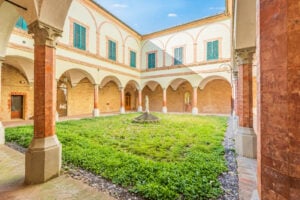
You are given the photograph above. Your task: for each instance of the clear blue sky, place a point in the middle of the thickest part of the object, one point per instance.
(147, 16)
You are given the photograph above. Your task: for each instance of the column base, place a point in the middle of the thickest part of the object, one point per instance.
(2, 134)
(195, 111)
(235, 123)
(246, 143)
(96, 112)
(140, 109)
(42, 160)
(164, 109)
(122, 110)
(56, 117)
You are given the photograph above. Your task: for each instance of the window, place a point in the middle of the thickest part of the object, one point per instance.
(212, 50)
(132, 59)
(79, 36)
(112, 50)
(151, 60)
(178, 56)
(21, 23)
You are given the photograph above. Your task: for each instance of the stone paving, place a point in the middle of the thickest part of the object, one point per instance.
(247, 178)
(12, 172)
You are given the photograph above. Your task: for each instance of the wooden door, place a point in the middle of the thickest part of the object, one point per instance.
(16, 106)
(127, 101)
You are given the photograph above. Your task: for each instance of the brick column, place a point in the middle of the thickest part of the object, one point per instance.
(245, 138)
(96, 99)
(2, 131)
(279, 100)
(195, 100)
(164, 108)
(122, 101)
(43, 157)
(140, 108)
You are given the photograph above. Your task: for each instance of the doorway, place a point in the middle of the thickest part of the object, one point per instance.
(128, 101)
(17, 107)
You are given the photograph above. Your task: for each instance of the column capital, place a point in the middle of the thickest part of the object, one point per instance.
(244, 56)
(43, 33)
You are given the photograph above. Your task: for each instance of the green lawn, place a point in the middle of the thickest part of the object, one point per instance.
(178, 158)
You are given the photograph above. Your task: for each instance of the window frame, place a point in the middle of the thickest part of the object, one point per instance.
(182, 55)
(23, 26)
(71, 39)
(130, 64)
(219, 49)
(108, 40)
(155, 61)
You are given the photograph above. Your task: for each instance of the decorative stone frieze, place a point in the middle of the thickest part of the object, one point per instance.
(44, 34)
(244, 56)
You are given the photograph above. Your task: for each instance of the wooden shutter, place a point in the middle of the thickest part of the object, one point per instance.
(216, 49)
(132, 59)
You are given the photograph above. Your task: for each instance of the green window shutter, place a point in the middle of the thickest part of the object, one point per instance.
(151, 60)
(21, 23)
(178, 56)
(216, 49)
(209, 51)
(132, 59)
(79, 36)
(213, 50)
(112, 50)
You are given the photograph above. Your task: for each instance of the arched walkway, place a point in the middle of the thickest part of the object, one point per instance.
(215, 97)
(155, 94)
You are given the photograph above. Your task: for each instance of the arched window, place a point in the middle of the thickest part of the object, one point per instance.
(21, 24)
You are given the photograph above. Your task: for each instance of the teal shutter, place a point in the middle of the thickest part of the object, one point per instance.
(178, 56)
(151, 60)
(132, 59)
(79, 36)
(21, 23)
(213, 50)
(112, 50)
(216, 49)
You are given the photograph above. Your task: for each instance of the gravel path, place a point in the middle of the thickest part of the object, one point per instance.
(229, 179)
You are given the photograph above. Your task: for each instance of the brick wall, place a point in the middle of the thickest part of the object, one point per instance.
(155, 98)
(215, 98)
(109, 98)
(13, 82)
(176, 98)
(81, 98)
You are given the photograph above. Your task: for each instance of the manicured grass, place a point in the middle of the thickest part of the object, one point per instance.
(178, 158)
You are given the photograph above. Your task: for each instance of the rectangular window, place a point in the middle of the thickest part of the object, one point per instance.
(178, 56)
(132, 59)
(213, 50)
(151, 60)
(79, 36)
(112, 50)
(21, 23)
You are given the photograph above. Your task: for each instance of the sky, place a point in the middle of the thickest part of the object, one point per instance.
(148, 16)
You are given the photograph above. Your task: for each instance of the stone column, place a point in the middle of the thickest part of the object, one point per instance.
(279, 100)
(122, 101)
(43, 157)
(235, 118)
(96, 99)
(140, 108)
(245, 138)
(195, 99)
(164, 108)
(2, 131)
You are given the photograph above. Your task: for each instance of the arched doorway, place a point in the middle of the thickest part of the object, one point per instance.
(127, 101)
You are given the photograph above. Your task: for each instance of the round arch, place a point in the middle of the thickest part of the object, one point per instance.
(75, 75)
(206, 80)
(109, 78)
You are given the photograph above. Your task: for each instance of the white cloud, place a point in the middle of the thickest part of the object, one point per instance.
(117, 5)
(217, 8)
(172, 15)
